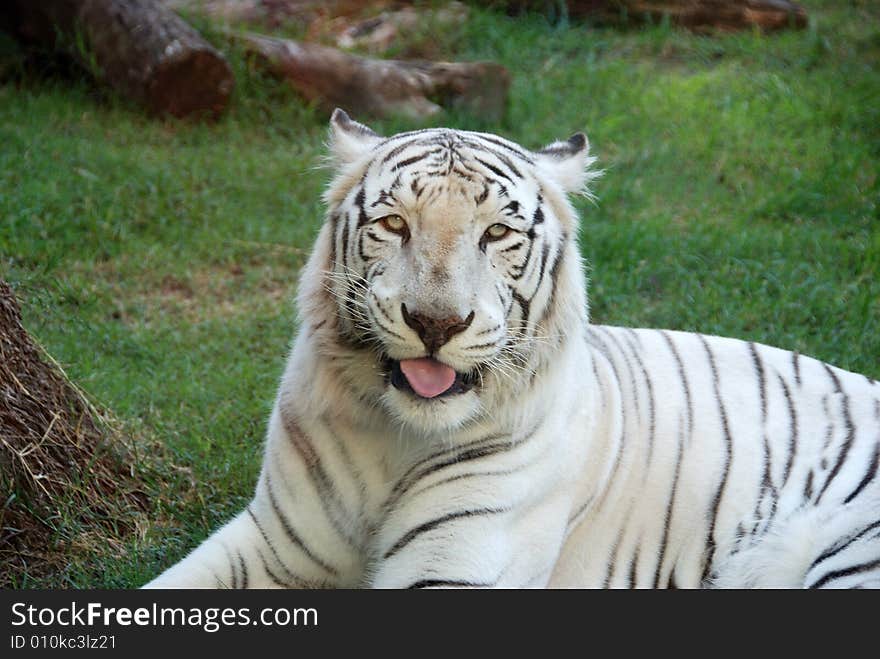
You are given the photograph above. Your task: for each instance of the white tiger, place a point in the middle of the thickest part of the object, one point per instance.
(448, 416)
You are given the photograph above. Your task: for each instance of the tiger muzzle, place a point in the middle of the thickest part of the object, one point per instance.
(435, 332)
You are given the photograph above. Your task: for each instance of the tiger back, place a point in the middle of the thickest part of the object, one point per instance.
(448, 417)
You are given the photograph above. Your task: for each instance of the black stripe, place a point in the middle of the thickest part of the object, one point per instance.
(244, 571)
(462, 174)
(759, 369)
(664, 542)
(846, 572)
(633, 567)
(360, 247)
(869, 475)
(414, 159)
(411, 535)
(711, 543)
(538, 217)
(291, 533)
(829, 431)
(481, 346)
(834, 379)
(278, 581)
(381, 309)
(334, 226)
(795, 360)
(362, 211)
(495, 170)
(231, 567)
(521, 269)
(385, 327)
(808, 486)
(508, 164)
(545, 252)
(792, 442)
(510, 248)
(652, 421)
(767, 486)
(400, 148)
(580, 511)
(525, 307)
(447, 583)
(375, 237)
(850, 434)
(612, 559)
(554, 276)
(414, 186)
(506, 304)
(467, 475)
(684, 382)
(740, 535)
(344, 245)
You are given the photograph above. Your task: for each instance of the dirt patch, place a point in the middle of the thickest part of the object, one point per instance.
(263, 282)
(69, 480)
(221, 292)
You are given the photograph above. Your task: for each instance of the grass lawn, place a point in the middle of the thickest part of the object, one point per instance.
(157, 260)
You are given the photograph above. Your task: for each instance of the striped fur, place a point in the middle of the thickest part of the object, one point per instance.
(578, 455)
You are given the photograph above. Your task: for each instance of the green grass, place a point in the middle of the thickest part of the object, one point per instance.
(157, 260)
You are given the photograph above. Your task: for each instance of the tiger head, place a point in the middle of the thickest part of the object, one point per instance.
(447, 272)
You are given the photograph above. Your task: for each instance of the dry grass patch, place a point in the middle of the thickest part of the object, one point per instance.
(70, 481)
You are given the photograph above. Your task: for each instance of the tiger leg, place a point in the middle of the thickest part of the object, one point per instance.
(235, 556)
(851, 562)
(829, 547)
(293, 534)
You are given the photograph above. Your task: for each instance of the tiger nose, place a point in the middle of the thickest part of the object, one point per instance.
(435, 332)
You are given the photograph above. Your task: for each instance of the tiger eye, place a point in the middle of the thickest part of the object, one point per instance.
(394, 223)
(497, 231)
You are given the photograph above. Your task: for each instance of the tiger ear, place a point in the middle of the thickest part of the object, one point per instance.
(568, 163)
(349, 140)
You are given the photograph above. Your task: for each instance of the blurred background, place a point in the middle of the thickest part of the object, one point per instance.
(152, 227)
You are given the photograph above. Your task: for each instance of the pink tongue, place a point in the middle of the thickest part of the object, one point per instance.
(427, 377)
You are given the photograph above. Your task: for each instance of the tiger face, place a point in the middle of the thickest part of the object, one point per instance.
(446, 250)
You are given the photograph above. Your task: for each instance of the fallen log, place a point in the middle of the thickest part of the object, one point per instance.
(382, 88)
(696, 15)
(140, 48)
